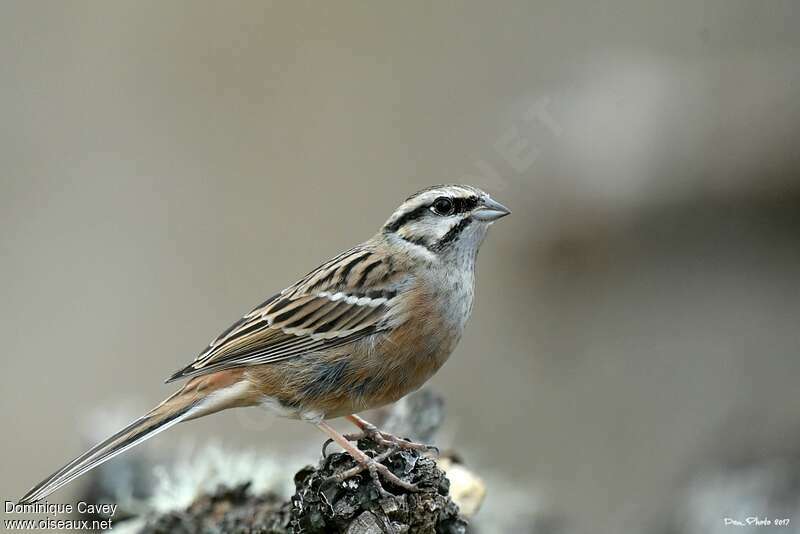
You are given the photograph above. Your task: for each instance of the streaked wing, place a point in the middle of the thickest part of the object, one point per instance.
(328, 307)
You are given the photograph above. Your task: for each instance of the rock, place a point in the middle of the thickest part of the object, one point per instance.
(323, 505)
(233, 510)
(355, 505)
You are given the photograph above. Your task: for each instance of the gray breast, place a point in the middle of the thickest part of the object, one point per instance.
(454, 289)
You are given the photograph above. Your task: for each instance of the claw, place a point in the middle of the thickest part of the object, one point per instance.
(377, 469)
(388, 440)
(325, 447)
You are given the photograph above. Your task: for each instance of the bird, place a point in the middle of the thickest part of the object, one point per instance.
(360, 331)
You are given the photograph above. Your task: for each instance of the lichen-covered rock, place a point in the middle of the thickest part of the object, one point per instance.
(229, 510)
(323, 505)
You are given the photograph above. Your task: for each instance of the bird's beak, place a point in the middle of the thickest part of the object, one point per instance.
(490, 210)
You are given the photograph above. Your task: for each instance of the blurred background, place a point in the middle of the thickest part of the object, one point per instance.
(632, 361)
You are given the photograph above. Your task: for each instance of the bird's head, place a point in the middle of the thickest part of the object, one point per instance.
(446, 220)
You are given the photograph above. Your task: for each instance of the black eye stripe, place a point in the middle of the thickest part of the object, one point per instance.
(412, 215)
(460, 205)
(463, 205)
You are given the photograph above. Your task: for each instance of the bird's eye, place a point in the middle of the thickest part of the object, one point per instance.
(443, 206)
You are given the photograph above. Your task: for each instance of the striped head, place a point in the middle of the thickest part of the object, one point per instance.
(445, 220)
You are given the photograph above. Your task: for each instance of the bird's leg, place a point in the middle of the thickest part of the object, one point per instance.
(373, 465)
(384, 438)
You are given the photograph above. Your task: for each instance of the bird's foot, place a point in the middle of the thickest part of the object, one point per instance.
(372, 464)
(385, 439)
(376, 470)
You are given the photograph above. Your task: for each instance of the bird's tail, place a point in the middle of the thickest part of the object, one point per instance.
(200, 396)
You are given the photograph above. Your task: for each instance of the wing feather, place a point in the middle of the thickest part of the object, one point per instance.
(324, 309)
